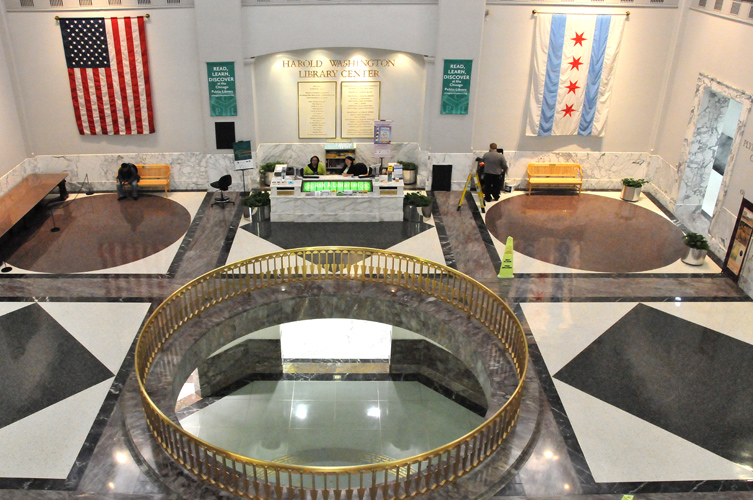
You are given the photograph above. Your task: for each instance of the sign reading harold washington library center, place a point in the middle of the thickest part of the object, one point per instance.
(221, 77)
(456, 86)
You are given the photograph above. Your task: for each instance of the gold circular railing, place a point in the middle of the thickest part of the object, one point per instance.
(398, 479)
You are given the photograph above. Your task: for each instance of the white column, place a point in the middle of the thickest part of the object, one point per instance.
(459, 29)
(219, 35)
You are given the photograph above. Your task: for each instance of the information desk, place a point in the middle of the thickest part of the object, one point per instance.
(333, 198)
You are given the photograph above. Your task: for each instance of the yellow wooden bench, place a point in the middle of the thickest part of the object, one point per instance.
(154, 175)
(554, 174)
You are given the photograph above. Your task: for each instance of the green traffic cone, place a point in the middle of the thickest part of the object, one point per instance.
(505, 270)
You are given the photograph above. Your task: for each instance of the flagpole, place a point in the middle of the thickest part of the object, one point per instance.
(626, 14)
(57, 18)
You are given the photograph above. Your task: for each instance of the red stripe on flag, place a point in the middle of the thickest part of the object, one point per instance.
(121, 75)
(100, 102)
(145, 64)
(74, 97)
(113, 104)
(135, 89)
(87, 101)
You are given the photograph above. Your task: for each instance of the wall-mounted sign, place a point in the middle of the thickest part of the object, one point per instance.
(738, 249)
(317, 108)
(456, 86)
(221, 77)
(383, 138)
(359, 106)
(243, 155)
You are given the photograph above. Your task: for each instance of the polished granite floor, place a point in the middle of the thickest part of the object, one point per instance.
(644, 374)
(280, 421)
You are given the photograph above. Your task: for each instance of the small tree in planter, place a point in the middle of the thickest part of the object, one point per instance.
(258, 205)
(409, 172)
(413, 200)
(631, 188)
(267, 170)
(697, 248)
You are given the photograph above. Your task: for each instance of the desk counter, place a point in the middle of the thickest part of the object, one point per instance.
(333, 198)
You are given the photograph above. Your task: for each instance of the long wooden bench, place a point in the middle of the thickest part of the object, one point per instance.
(154, 175)
(554, 174)
(25, 195)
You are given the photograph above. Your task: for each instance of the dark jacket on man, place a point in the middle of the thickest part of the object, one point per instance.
(128, 172)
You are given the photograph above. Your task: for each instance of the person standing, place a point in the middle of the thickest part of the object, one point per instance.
(128, 174)
(495, 167)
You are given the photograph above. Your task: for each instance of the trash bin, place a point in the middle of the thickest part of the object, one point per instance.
(509, 186)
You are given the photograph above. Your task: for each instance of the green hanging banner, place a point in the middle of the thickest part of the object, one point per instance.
(456, 86)
(221, 76)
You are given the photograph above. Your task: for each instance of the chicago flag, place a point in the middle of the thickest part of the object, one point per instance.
(573, 72)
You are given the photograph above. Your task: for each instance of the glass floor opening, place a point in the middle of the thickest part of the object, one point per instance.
(331, 423)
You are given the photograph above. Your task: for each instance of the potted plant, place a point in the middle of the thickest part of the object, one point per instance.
(267, 171)
(409, 172)
(697, 248)
(257, 206)
(412, 201)
(631, 188)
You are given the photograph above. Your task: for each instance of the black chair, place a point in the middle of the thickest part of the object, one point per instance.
(222, 185)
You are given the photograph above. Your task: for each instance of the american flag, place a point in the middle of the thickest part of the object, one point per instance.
(109, 75)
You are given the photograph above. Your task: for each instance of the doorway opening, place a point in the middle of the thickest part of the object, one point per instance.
(718, 165)
(714, 135)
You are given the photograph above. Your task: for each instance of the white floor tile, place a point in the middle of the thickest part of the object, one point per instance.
(247, 245)
(106, 329)
(562, 330)
(622, 448)
(45, 445)
(729, 318)
(9, 307)
(425, 245)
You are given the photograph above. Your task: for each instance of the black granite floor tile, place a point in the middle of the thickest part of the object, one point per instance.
(677, 375)
(41, 364)
(380, 235)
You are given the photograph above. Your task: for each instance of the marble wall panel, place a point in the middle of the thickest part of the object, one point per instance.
(194, 171)
(299, 154)
(600, 170)
(708, 128)
(720, 233)
(439, 365)
(692, 157)
(15, 175)
(188, 171)
(664, 181)
(251, 357)
(423, 177)
(461, 166)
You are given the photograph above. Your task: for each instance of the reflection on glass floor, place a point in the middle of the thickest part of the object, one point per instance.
(296, 422)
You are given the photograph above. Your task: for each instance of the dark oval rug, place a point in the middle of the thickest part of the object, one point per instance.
(587, 232)
(99, 232)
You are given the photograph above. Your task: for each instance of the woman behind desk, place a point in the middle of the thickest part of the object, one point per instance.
(354, 169)
(314, 167)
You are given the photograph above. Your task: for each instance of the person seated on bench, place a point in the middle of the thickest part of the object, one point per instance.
(495, 167)
(314, 167)
(354, 169)
(128, 174)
